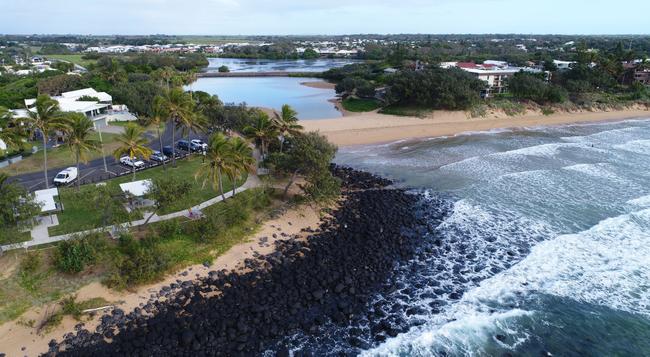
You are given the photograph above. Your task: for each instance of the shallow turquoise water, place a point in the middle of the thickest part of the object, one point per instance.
(273, 92)
(550, 228)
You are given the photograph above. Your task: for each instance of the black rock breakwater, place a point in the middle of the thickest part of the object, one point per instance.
(303, 288)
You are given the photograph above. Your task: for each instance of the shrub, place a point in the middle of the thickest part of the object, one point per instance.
(72, 256)
(31, 262)
(141, 262)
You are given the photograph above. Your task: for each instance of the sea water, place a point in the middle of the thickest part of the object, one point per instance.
(546, 244)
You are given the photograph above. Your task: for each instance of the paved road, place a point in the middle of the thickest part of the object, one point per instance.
(93, 171)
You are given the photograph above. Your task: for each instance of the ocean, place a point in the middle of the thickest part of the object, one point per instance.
(545, 249)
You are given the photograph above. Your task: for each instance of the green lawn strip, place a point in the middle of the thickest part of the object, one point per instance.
(360, 105)
(73, 58)
(185, 169)
(57, 157)
(410, 111)
(13, 236)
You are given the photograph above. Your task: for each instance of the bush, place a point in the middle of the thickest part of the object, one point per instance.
(224, 69)
(74, 255)
(31, 262)
(141, 262)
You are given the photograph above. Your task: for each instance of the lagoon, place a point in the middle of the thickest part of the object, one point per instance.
(265, 65)
(273, 92)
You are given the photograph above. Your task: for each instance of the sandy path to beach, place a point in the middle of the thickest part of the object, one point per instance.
(14, 335)
(372, 128)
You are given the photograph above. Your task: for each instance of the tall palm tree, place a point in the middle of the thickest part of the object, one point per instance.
(78, 133)
(261, 132)
(133, 144)
(10, 131)
(179, 107)
(159, 115)
(46, 117)
(218, 162)
(286, 123)
(241, 158)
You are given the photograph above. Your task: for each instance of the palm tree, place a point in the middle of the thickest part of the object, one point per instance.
(179, 108)
(218, 162)
(78, 133)
(46, 117)
(165, 74)
(242, 159)
(159, 115)
(10, 131)
(261, 132)
(286, 123)
(133, 144)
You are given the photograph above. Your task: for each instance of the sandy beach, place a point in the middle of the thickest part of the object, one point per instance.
(319, 84)
(373, 128)
(15, 335)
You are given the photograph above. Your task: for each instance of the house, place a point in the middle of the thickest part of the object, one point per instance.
(97, 106)
(495, 75)
(636, 71)
(563, 65)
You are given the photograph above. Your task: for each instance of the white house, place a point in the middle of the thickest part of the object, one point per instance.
(494, 73)
(563, 65)
(101, 110)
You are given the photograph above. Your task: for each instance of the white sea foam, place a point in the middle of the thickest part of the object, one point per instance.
(643, 202)
(604, 265)
(636, 146)
(599, 170)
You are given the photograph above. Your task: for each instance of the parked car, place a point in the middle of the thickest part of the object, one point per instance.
(198, 145)
(66, 176)
(125, 160)
(169, 151)
(183, 145)
(158, 156)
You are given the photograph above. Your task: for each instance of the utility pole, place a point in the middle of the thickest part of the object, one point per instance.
(99, 130)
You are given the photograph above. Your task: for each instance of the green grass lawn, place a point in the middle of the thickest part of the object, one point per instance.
(360, 105)
(409, 111)
(81, 213)
(58, 157)
(73, 58)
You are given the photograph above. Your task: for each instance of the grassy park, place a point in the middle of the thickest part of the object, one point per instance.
(80, 210)
(76, 59)
(57, 157)
(352, 104)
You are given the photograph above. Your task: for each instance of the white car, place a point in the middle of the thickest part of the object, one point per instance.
(125, 160)
(198, 145)
(66, 176)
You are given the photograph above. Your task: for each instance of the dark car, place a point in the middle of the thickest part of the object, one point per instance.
(158, 156)
(183, 145)
(169, 151)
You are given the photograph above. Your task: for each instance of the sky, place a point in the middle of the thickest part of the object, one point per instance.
(311, 17)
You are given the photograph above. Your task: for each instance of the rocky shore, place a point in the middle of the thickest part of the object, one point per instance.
(303, 287)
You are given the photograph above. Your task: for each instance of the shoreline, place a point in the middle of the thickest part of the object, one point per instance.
(308, 279)
(374, 128)
(15, 335)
